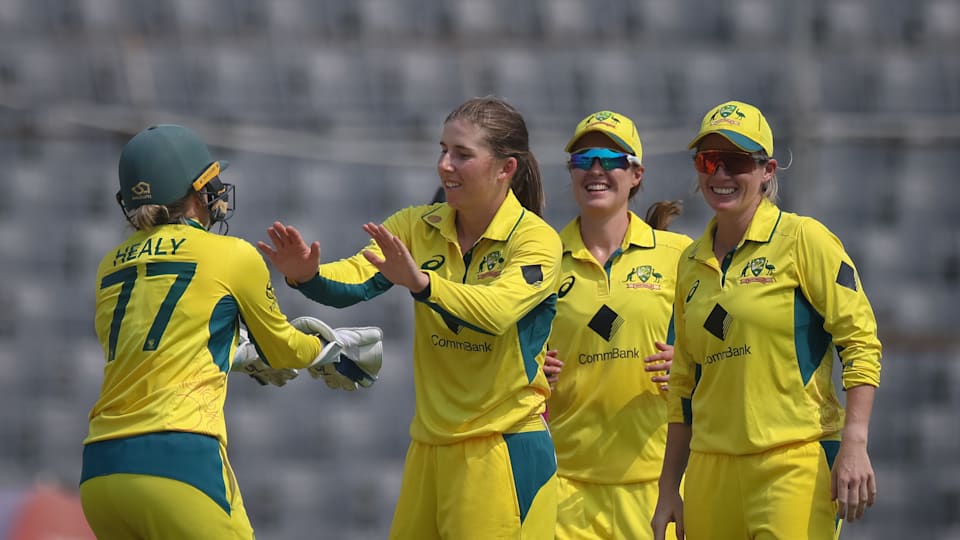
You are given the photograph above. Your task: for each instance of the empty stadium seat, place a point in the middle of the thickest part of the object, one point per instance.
(941, 21)
(908, 84)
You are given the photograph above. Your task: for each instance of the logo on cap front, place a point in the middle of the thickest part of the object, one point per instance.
(603, 116)
(140, 191)
(725, 113)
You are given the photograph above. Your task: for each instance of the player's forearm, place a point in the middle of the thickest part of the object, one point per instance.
(675, 456)
(858, 410)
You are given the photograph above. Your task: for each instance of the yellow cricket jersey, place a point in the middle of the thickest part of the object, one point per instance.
(481, 325)
(167, 306)
(756, 335)
(608, 420)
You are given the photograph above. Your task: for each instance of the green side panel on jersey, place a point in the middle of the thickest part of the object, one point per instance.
(687, 404)
(223, 324)
(671, 331)
(191, 458)
(687, 407)
(533, 330)
(811, 340)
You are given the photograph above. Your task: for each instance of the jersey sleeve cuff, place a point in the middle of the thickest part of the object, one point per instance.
(425, 293)
(300, 285)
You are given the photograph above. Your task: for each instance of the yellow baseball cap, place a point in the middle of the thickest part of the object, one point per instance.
(740, 123)
(619, 128)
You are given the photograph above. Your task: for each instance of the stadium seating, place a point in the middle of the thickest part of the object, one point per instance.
(330, 114)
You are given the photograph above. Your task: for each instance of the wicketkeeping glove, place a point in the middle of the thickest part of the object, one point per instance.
(358, 359)
(359, 362)
(332, 346)
(247, 360)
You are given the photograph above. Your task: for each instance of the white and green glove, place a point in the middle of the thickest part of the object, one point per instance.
(353, 361)
(247, 360)
(359, 362)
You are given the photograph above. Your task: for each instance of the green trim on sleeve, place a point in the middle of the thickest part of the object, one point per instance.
(335, 294)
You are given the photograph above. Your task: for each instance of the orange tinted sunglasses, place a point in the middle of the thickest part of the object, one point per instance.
(708, 161)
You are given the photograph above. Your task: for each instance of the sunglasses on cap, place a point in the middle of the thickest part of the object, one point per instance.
(609, 159)
(707, 161)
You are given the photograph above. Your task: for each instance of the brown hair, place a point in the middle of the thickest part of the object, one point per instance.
(661, 213)
(506, 135)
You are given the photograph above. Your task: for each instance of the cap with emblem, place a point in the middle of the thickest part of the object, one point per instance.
(740, 123)
(620, 129)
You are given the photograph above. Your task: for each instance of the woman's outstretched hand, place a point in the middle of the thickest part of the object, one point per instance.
(290, 254)
(396, 264)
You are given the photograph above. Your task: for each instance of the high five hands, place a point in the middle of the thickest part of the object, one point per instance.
(396, 264)
(290, 253)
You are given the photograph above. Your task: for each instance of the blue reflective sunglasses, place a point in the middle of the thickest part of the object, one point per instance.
(609, 159)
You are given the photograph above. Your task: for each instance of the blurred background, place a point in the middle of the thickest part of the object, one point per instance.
(330, 113)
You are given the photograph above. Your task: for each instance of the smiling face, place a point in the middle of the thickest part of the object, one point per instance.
(471, 175)
(732, 192)
(598, 191)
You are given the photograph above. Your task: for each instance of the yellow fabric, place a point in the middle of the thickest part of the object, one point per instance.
(781, 494)
(467, 491)
(479, 337)
(606, 512)
(138, 507)
(167, 305)
(756, 335)
(608, 420)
